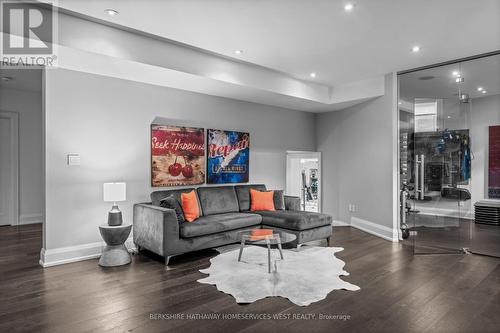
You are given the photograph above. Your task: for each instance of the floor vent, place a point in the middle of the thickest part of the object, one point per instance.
(487, 212)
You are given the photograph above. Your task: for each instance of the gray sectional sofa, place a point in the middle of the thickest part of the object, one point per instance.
(225, 211)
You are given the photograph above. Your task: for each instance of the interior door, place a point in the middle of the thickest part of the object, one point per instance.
(441, 172)
(6, 185)
(303, 179)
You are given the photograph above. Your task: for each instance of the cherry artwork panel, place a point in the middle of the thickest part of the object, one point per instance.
(494, 163)
(228, 156)
(177, 155)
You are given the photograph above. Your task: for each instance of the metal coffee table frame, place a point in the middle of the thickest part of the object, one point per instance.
(277, 238)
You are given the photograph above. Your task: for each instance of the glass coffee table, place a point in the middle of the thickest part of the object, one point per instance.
(277, 238)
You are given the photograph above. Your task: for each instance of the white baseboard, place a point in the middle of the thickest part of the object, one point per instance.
(30, 218)
(375, 229)
(66, 255)
(337, 223)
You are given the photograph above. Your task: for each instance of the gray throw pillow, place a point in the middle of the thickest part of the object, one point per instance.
(172, 203)
(279, 200)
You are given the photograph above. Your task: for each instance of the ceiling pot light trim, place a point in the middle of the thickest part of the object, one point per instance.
(111, 12)
(348, 7)
(415, 49)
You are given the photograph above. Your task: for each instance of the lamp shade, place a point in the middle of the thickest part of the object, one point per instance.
(114, 192)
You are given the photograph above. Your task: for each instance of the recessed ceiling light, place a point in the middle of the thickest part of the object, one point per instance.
(456, 73)
(111, 12)
(313, 75)
(479, 88)
(415, 49)
(348, 7)
(449, 117)
(399, 103)
(484, 91)
(238, 51)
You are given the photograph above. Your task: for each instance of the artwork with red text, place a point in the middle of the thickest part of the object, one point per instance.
(228, 157)
(494, 163)
(177, 155)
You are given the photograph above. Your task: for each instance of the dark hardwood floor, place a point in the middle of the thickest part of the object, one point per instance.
(399, 292)
(447, 234)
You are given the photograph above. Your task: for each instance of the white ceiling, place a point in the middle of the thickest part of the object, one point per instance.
(298, 37)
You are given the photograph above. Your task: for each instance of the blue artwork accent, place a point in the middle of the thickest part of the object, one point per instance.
(228, 157)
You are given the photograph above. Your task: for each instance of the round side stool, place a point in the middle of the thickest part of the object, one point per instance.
(115, 253)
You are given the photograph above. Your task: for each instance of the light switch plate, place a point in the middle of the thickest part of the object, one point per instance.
(73, 159)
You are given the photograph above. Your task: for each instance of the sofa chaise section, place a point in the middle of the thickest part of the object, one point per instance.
(294, 220)
(307, 226)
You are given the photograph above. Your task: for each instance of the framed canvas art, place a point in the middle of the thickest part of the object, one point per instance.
(494, 163)
(228, 156)
(177, 155)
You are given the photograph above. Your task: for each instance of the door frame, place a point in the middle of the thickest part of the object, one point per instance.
(308, 154)
(14, 133)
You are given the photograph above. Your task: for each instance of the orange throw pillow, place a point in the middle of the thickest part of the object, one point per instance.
(190, 206)
(261, 200)
(261, 232)
(257, 234)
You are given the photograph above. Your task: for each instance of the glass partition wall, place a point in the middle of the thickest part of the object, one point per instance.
(445, 115)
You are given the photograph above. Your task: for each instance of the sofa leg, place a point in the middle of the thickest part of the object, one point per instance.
(298, 246)
(167, 260)
(328, 239)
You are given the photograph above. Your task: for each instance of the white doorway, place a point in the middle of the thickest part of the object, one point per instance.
(9, 168)
(303, 178)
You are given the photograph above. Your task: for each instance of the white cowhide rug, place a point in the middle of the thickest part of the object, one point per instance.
(304, 276)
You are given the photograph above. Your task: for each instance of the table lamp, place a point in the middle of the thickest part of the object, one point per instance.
(114, 192)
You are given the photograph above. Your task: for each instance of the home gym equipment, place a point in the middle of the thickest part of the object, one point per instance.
(456, 193)
(404, 210)
(306, 190)
(442, 162)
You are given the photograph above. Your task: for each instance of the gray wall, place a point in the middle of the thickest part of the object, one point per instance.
(107, 121)
(357, 152)
(485, 112)
(28, 104)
